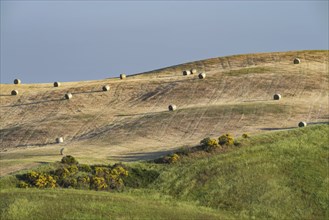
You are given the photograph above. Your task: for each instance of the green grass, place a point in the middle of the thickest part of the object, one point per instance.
(281, 175)
(278, 175)
(245, 71)
(79, 204)
(218, 110)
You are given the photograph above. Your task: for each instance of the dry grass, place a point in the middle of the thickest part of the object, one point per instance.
(131, 121)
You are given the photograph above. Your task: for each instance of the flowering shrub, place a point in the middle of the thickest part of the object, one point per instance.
(83, 182)
(40, 180)
(226, 139)
(62, 173)
(209, 144)
(70, 174)
(98, 183)
(73, 169)
(69, 182)
(173, 158)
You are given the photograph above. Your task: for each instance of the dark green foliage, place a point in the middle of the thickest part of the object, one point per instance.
(84, 168)
(139, 178)
(69, 160)
(245, 135)
(185, 151)
(69, 182)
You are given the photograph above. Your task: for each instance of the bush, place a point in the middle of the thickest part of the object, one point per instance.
(168, 159)
(209, 144)
(40, 180)
(99, 177)
(184, 151)
(226, 139)
(138, 177)
(114, 178)
(84, 168)
(245, 135)
(22, 184)
(73, 169)
(83, 181)
(101, 171)
(69, 160)
(173, 158)
(62, 173)
(98, 183)
(69, 182)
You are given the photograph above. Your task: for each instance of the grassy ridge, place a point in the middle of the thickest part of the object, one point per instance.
(280, 175)
(80, 204)
(251, 70)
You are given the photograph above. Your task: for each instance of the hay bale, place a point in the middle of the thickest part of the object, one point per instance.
(277, 97)
(296, 61)
(186, 72)
(62, 151)
(194, 71)
(172, 107)
(68, 96)
(123, 76)
(302, 124)
(59, 140)
(202, 75)
(57, 84)
(17, 81)
(106, 88)
(14, 92)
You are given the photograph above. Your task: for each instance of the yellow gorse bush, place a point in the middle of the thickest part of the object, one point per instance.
(226, 139)
(41, 180)
(98, 183)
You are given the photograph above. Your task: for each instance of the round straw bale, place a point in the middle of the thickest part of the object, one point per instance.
(68, 96)
(194, 71)
(296, 61)
(277, 97)
(172, 107)
(186, 72)
(14, 92)
(62, 151)
(123, 76)
(106, 88)
(202, 75)
(17, 81)
(59, 140)
(57, 84)
(302, 124)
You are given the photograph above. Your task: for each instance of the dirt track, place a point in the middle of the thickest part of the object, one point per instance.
(131, 121)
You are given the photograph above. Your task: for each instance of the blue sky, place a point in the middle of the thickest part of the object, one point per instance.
(46, 41)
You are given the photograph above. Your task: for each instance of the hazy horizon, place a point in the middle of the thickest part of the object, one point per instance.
(85, 40)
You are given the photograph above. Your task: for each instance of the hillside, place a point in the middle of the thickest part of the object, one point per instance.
(132, 121)
(278, 175)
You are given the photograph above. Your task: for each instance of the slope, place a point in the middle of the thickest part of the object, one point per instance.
(131, 121)
(279, 175)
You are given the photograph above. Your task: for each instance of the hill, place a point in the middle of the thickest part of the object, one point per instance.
(279, 175)
(132, 122)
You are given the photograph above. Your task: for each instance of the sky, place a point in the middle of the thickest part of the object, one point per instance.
(47, 41)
